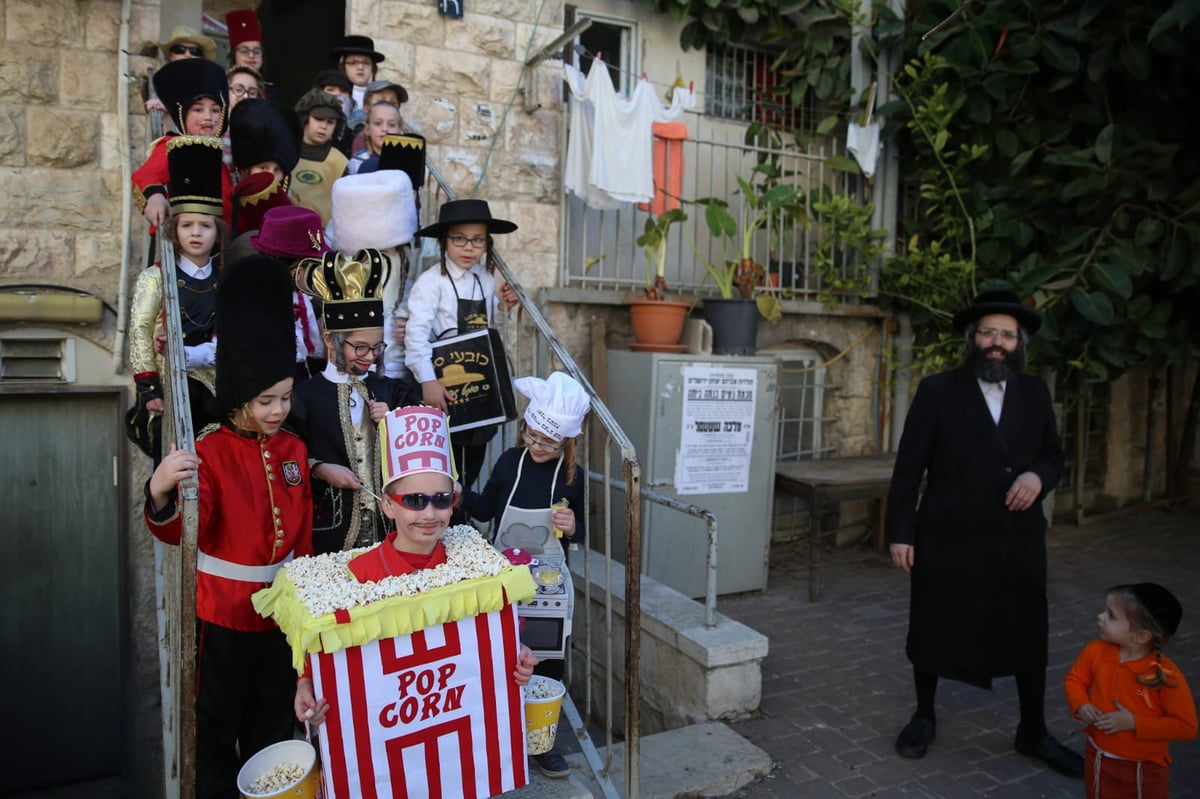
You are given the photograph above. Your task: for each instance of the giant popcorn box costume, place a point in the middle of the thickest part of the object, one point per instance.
(417, 667)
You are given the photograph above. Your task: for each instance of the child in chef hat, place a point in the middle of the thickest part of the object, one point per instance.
(537, 484)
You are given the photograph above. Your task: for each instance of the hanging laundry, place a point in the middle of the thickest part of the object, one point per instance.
(668, 167)
(863, 144)
(620, 161)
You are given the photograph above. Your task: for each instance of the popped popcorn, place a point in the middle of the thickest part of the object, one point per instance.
(324, 583)
(541, 689)
(541, 740)
(279, 777)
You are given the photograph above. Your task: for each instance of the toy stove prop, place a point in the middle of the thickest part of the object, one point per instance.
(546, 618)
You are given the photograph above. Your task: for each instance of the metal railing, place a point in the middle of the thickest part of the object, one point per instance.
(599, 250)
(539, 354)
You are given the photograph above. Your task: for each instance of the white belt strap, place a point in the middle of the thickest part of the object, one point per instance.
(237, 571)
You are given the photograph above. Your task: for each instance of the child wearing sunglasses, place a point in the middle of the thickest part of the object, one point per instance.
(419, 494)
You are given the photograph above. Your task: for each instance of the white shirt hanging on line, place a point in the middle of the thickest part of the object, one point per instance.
(611, 160)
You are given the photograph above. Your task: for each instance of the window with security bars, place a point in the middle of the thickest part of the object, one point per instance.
(802, 426)
(739, 84)
(1093, 405)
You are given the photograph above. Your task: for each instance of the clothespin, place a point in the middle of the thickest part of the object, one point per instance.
(870, 105)
(599, 56)
(645, 77)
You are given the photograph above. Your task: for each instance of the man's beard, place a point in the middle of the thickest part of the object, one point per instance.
(995, 370)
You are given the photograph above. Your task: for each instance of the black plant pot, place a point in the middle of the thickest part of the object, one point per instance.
(734, 324)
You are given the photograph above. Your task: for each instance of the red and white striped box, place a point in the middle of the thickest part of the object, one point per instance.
(432, 714)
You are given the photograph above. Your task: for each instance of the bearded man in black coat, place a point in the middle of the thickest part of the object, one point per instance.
(984, 440)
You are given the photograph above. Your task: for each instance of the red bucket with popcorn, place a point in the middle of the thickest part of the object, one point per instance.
(543, 704)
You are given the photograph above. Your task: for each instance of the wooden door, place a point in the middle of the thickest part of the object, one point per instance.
(61, 629)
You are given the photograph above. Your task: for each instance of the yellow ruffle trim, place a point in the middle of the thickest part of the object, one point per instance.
(386, 618)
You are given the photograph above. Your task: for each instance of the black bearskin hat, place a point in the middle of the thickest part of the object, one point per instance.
(256, 335)
(260, 130)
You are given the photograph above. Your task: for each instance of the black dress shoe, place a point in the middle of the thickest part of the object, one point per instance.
(1048, 749)
(915, 738)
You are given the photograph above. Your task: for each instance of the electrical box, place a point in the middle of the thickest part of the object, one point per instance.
(686, 416)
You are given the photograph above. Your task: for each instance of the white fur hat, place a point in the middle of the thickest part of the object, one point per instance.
(557, 404)
(372, 211)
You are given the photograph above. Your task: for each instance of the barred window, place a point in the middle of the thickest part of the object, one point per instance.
(739, 83)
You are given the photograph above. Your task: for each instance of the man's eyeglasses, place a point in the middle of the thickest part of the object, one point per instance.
(992, 332)
(546, 446)
(463, 241)
(357, 62)
(237, 90)
(251, 51)
(189, 49)
(361, 350)
(417, 501)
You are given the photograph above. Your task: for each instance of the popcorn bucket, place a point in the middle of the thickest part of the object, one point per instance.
(297, 753)
(543, 702)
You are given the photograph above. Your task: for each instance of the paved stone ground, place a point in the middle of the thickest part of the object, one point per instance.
(837, 687)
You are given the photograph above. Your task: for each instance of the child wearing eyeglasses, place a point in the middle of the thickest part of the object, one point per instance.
(459, 297)
(538, 487)
(419, 494)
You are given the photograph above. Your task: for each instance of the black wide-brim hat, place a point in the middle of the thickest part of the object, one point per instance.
(999, 302)
(178, 84)
(466, 212)
(357, 45)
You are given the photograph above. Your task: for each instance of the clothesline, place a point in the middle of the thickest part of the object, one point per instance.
(774, 102)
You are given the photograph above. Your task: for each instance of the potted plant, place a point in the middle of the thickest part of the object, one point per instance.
(658, 322)
(734, 316)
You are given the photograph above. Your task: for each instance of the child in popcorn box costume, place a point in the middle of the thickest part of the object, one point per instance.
(410, 641)
(530, 483)
(419, 492)
(255, 515)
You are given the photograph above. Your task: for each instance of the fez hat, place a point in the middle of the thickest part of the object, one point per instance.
(181, 83)
(350, 288)
(1161, 604)
(406, 152)
(194, 173)
(375, 210)
(254, 196)
(999, 302)
(333, 77)
(260, 130)
(182, 34)
(256, 334)
(357, 45)
(463, 212)
(384, 85)
(290, 232)
(243, 27)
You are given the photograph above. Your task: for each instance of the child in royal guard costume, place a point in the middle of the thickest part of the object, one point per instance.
(198, 234)
(337, 410)
(255, 514)
(195, 93)
(536, 490)
(410, 647)
(377, 212)
(265, 142)
(457, 297)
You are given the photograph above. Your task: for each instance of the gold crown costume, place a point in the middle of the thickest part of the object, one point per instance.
(331, 412)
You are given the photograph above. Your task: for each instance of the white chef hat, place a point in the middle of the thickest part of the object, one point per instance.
(557, 405)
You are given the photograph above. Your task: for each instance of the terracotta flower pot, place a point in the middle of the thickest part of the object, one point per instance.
(658, 323)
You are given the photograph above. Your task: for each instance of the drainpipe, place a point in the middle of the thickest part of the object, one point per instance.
(902, 381)
(126, 186)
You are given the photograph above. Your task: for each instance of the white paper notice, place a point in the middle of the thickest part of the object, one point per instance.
(717, 435)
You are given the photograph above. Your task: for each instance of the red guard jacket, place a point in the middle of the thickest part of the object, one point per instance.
(255, 510)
